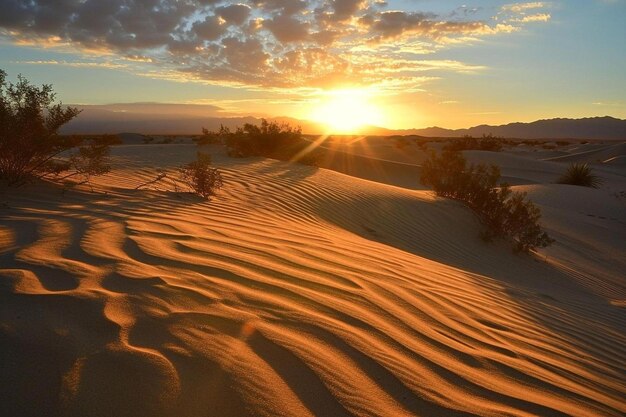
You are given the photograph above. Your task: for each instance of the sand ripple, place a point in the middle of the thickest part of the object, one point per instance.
(297, 292)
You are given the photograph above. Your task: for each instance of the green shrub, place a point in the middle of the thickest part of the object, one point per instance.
(504, 213)
(200, 177)
(580, 174)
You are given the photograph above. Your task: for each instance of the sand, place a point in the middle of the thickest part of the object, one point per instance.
(302, 291)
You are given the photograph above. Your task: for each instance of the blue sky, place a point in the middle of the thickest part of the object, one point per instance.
(420, 63)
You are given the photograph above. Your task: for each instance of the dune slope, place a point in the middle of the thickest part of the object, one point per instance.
(296, 292)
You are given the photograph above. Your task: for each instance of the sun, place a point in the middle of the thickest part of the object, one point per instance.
(346, 111)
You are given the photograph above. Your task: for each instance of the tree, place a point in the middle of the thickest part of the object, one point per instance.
(29, 124)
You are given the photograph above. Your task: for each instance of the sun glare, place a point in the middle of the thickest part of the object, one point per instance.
(346, 111)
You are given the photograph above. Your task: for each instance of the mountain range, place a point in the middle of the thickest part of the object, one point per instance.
(158, 118)
(606, 127)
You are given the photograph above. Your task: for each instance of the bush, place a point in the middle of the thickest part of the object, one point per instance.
(264, 140)
(209, 137)
(30, 145)
(467, 143)
(201, 177)
(504, 213)
(270, 139)
(402, 142)
(91, 159)
(582, 175)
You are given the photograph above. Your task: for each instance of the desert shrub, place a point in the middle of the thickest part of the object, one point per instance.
(90, 159)
(504, 213)
(533, 142)
(30, 146)
(270, 139)
(580, 174)
(166, 140)
(486, 143)
(562, 142)
(264, 140)
(402, 142)
(29, 124)
(208, 137)
(200, 177)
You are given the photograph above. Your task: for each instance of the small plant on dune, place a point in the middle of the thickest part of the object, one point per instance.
(200, 177)
(89, 160)
(505, 214)
(580, 174)
(30, 146)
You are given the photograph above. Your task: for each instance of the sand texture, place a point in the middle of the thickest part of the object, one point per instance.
(302, 291)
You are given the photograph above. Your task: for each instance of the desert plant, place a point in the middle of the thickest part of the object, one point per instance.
(209, 137)
(467, 143)
(269, 139)
(580, 174)
(503, 212)
(89, 160)
(200, 177)
(29, 124)
(30, 146)
(402, 142)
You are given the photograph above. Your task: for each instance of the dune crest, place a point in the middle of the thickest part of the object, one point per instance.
(296, 292)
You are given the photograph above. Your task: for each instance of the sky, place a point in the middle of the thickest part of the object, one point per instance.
(396, 63)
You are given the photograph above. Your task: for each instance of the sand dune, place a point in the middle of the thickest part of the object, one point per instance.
(301, 291)
(594, 155)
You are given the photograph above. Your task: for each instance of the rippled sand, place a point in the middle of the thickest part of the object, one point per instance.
(300, 291)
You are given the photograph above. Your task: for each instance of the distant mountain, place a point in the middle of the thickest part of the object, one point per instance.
(589, 128)
(189, 119)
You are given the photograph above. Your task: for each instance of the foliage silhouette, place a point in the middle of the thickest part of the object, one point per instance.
(582, 175)
(269, 139)
(486, 143)
(30, 145)
(505, 214)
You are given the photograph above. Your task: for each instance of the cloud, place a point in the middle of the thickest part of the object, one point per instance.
(608, 103)
(259, 43)
(287, 28)
(522, 7)
(109, 65)
(235, 14)
(539, 17)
